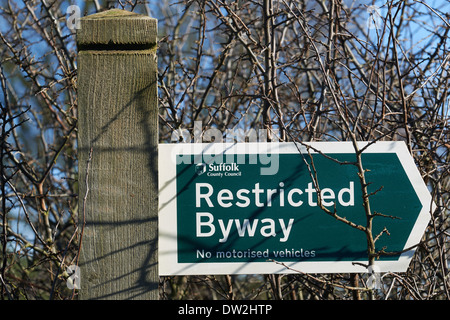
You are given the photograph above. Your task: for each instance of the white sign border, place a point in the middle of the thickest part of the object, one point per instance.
(167, 240)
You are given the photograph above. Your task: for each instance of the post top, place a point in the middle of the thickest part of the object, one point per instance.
(116, 14)
(116, 27)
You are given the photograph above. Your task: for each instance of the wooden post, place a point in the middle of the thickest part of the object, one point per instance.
(118, 127)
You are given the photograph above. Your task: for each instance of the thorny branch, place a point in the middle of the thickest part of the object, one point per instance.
(303, 70)
(317, 71)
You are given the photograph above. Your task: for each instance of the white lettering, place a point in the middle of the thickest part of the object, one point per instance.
(244, 228)
(208, 224)
(281, 194)
(73, 21)
(325, 194)
(221, 197)
(243, 198)
(290, 194)
(259, 197)
(270, 227)
(246, 225)
(310, 190)
(257, 191)
(199, 195)
(225, 230)
(350, 191)
(270, 192)
(286, 230)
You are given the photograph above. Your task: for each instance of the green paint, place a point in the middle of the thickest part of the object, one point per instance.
(313, 235)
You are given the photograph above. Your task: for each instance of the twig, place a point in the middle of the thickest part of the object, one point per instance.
(86, 182)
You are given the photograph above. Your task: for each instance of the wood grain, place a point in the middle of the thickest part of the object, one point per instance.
(118, 114)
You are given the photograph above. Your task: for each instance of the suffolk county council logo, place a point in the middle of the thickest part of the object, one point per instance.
(200, 168)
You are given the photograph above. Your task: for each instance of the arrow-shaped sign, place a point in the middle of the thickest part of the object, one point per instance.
(285, 207)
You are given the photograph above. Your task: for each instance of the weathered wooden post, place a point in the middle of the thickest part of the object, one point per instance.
(118, 122)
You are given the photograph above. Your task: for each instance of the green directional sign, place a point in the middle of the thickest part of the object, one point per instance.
(269, 208)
